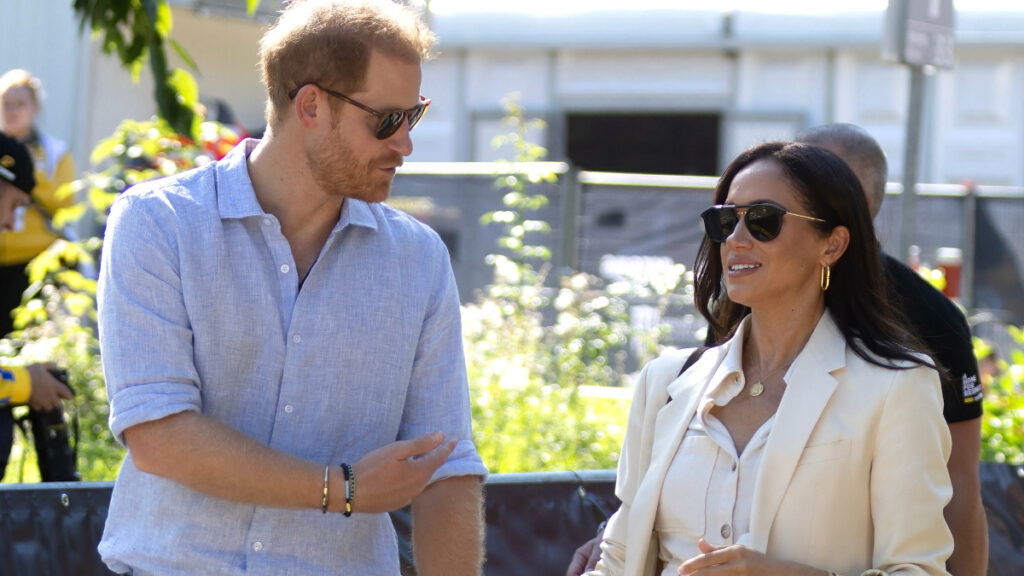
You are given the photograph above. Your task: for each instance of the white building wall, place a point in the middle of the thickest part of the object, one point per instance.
(42, 37)
(768, 76)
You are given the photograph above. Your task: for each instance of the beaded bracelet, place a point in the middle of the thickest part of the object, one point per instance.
(350, 488)
(327, 483)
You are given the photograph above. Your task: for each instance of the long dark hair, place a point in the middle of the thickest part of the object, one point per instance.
(856, 297)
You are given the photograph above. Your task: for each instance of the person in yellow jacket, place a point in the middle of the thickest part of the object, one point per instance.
(33, 385)
(20, 103)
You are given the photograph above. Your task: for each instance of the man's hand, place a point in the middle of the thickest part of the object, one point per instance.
(46, 389)
(391, 476)
(585, 558)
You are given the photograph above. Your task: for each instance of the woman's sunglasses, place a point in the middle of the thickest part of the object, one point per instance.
(388, 122)
(763, 220)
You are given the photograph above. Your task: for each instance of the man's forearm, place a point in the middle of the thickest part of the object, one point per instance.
(447, 530)
(966, 519)
(209, 457)
(965, 514)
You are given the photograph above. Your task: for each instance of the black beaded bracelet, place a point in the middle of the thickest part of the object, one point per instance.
(350, 488)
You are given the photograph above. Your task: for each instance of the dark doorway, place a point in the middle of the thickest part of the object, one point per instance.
(645, 143)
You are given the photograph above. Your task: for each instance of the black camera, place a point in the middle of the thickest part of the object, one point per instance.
(57, 459)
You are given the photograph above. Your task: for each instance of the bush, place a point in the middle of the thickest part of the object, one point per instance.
(533, 349)
(1002, 427)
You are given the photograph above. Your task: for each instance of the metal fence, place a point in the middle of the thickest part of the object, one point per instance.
(651, 220)
(534, 522)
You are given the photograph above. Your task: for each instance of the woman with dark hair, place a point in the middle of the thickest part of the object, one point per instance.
(810, 439)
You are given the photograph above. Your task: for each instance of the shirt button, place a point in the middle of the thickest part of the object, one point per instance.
(297, 338)
(267, 222)
(289, 408)
(257, 546)
(726, 531)
(733, 466)
(285, 268)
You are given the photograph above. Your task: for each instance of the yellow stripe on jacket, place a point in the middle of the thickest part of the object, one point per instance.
(15, 385)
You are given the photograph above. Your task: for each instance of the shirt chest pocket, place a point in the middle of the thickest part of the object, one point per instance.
(682, 507)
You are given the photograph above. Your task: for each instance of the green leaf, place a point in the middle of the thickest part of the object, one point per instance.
(164, 20)
(183, 54)
(184, 85)
(66, 216)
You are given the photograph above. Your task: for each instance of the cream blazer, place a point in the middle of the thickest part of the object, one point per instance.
(853, 478)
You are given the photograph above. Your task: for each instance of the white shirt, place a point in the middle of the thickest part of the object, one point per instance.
(709, 488)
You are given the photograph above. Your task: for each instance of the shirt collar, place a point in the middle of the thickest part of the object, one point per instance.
(236, 197)
(730, 375)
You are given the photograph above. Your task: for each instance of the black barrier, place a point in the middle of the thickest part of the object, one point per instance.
(534, 523)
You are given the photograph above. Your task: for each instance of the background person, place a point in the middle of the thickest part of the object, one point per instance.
(940, 325)
(810, 439)
(20, 104)
(32, 385)
(21, 97)
(270, 330)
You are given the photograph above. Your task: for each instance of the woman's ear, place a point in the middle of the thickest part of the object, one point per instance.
(836, 244)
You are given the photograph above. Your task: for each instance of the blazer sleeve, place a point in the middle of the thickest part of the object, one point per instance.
(909, 482)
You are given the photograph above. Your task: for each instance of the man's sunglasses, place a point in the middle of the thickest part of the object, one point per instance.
(763, 220)
(388, 122)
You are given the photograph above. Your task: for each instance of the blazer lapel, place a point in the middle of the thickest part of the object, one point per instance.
(809, 386)
(669, 427)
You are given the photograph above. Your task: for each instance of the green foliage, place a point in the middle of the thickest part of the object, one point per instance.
(534, 350)
(57, 319)
(133, 30)
(1002, 428)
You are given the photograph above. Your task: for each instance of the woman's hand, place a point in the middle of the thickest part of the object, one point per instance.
(741, 561)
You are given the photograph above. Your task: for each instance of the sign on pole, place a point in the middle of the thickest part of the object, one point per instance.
(920, 32)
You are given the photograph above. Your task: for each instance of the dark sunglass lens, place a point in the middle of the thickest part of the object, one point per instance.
(719, 222)
(389, 124)
(415, 115)
(764, 221)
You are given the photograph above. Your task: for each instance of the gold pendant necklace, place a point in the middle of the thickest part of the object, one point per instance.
(757, 388)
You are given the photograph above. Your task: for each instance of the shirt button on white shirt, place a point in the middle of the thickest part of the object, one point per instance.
(297, 338)
(288, 408)
(726, 531)
(257, 546)
(268, 221)
(285, 268)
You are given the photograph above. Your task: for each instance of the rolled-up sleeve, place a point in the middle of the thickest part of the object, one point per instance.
(145, 336)
(438, 396)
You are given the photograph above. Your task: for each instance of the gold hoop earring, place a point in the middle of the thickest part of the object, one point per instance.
(825, 280)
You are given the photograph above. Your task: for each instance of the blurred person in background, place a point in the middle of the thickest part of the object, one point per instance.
(20, 104)
(32, 385)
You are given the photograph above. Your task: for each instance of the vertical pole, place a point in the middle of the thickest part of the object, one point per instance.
(969, 217)
(908, 198)
(572, 203)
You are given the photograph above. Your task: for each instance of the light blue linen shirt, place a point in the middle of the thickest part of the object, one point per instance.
(201, 309)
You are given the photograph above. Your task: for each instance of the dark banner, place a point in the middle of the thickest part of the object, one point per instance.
(534, 523)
